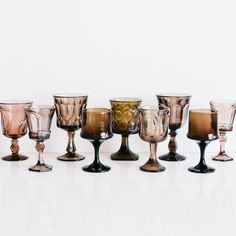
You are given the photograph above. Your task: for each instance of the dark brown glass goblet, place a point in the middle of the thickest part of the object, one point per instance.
(153, 128)
(125, 122)
(39, 119)
(14, 125)
(69, 110)
(203, 128)
(96, 127)
(179, 105)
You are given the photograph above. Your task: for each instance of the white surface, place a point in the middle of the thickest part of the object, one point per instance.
(117, 48)
(124, 201)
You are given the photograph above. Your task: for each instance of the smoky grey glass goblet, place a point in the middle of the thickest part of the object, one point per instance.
(39, 120)
(179, 106)
(69, 110)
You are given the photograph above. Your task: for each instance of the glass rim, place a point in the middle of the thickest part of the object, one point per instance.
(15, 102)
(174, 95)
(154, 108)
(40, 107)
(223, 101)
(125, 99)
(70, 95)
(203, 110)
(98, 110)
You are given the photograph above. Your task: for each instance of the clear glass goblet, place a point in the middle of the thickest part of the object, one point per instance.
(203, 128)
(14, 125)
(39, 120)
(69, 110)
(179, 105)
(153, 128)
(226, 114)
(125, 122)
(96, 127)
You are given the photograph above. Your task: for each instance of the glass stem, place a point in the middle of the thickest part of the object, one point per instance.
(96, 145)
(40, 147)
(223, 139)
(202, 146)
(14, 147)
(124, 143)
(172, 144)
(71, 144)
(153, 151)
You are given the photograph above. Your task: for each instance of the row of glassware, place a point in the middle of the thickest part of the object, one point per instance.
(125, 117)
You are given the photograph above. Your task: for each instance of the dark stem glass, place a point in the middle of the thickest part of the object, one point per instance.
(40, 165)
(152, 165)
(202, 167)
(96, 166)
(124, 153)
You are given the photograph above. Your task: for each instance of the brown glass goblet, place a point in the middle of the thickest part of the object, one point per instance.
(69, 109)
(39, 119)
(203, 128)
(96, 127)
(179, 105)
(125, 122)
(226, 114)
(153, 128)
(14, 125)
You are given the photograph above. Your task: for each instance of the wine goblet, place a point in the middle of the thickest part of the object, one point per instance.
(39, 120)
(153, 128)
(179, 106)
(14, 125)
(125, 122)
(96, 127)
(69, 109)
(226, 114)
(203, 128)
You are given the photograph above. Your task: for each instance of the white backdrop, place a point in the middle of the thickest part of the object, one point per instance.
(113, 48)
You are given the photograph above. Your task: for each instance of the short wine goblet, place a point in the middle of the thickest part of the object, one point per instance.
(69, 110)
(203, 128)
(125, 122)
(226, 114)
(179, 106)
(39, 120)
(14, 125)
(96, 127)
(153, 128)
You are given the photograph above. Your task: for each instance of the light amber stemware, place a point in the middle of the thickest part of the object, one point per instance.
(153, 128)
(125, 122)
(14, 125)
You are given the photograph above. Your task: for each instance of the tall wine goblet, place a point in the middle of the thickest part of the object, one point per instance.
(69, 109)
(203, 128)
(96, 127)
(179, 105)
(226, 114)
(125, 122)
(39, 120)
(153, 128)
(14, 125)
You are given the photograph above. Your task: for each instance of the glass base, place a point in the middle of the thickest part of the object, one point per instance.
(18, 157)
(204, 170)
(152, 167)
(222, 157)
(71, 157)
(124, 156)
(40, 167)
(172, 157)
(96, 168)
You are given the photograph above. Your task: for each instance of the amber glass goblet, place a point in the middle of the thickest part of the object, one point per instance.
(226, 114)
(179, 106)
(203, 128)
(39, 119)
(69, 109)
(153, 128)
(125, 122)
(96, 127)
(14, 125)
